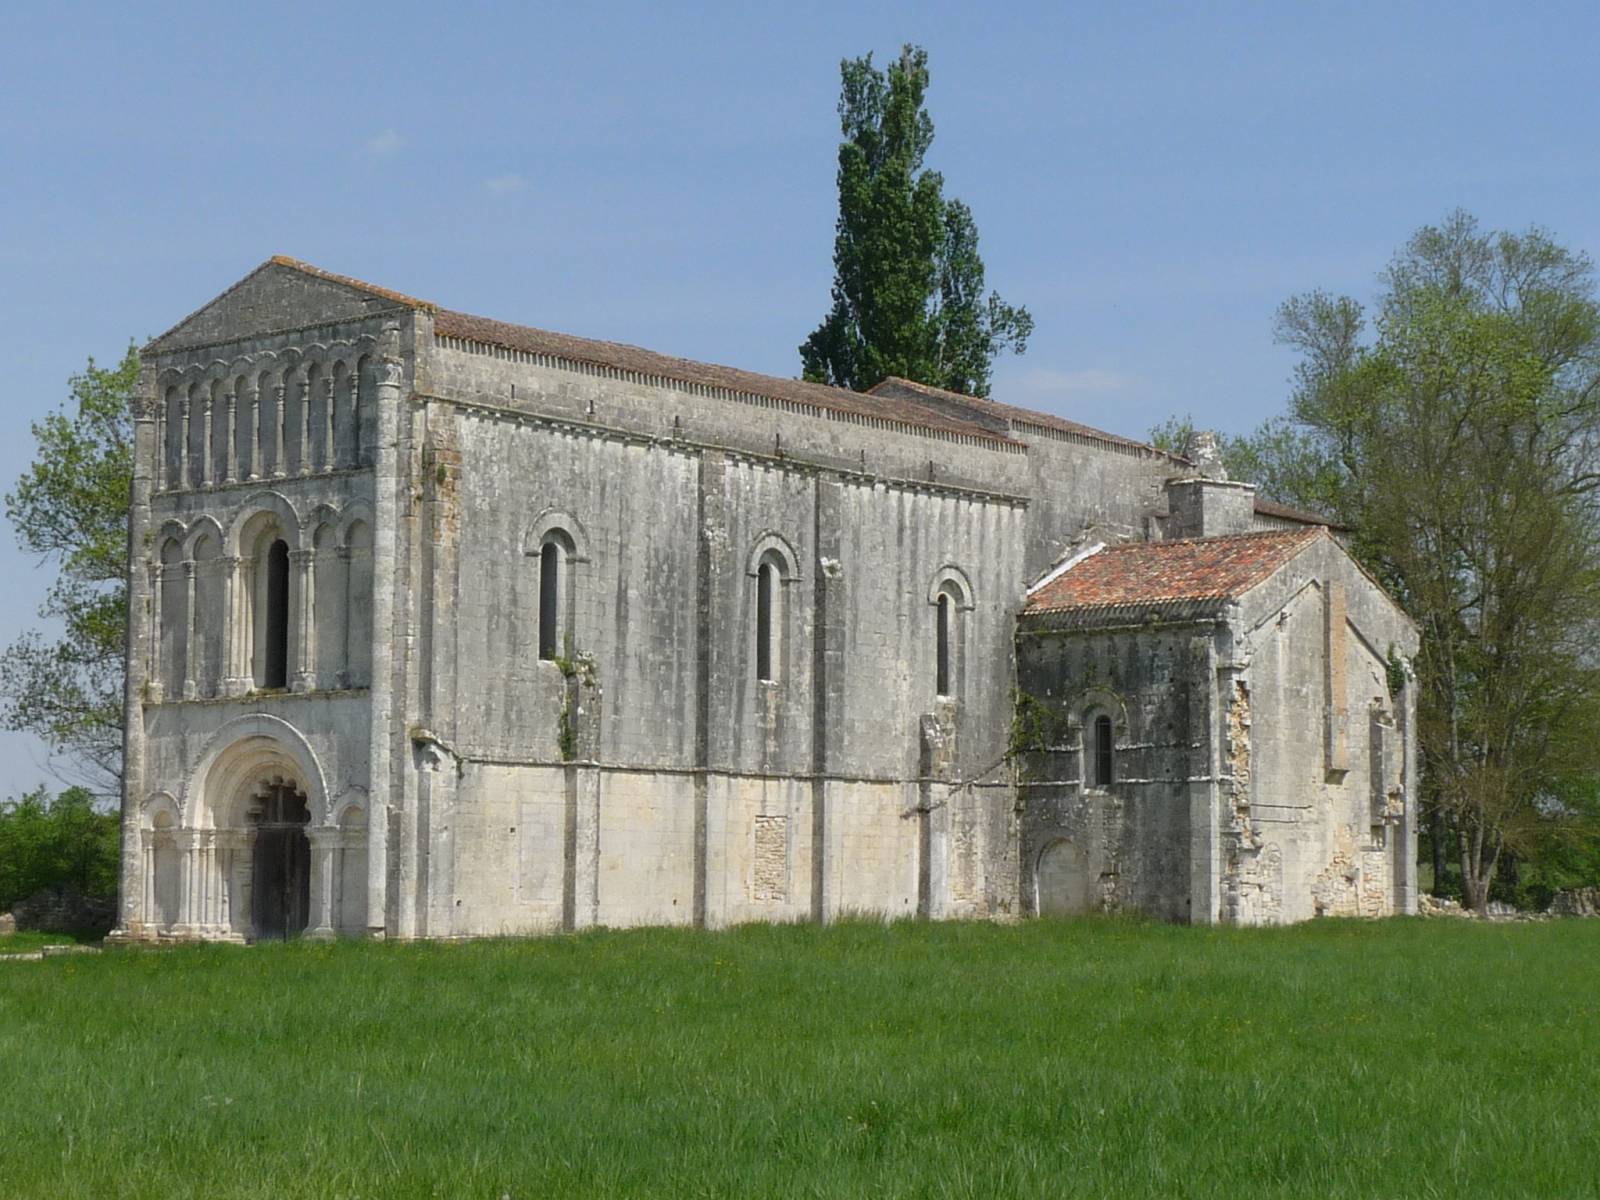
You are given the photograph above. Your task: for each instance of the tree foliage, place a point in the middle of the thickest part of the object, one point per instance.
(47, 843)
(71, 508)
(908, 290)
(1458, 434)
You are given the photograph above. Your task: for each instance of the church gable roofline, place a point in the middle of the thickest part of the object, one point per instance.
(254, 306)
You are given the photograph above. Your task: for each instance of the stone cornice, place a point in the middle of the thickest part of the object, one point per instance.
(691, 446)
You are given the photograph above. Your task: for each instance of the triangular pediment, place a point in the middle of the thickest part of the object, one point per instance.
(281, 294)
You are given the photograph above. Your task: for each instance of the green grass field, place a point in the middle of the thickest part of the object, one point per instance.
(1090, 1058)
(21, 943)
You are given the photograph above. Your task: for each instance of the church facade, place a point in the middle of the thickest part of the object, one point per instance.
(445, 627)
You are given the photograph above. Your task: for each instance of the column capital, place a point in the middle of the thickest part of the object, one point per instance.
(303, 557)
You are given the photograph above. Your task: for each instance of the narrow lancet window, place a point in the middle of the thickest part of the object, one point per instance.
(549, 600)
(1103, 773)
(942, 648)
(277, 648)
(766, 585)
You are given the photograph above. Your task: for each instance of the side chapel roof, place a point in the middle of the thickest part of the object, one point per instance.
(1141, 574)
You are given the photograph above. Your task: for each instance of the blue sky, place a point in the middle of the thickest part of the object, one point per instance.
(1150, 180)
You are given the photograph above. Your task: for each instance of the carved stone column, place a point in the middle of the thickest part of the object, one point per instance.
(235, 664)
(207, 459)
(147, 908)
(305, 611)
(324, 841)
(383, 751)
(231, 845)
(183, 442)
(253, 401)
(230, 457)
(327, 423)
(157, 682)
(186, 841)
(305, 425)
(133, 863)
(278, 393)
(190, 691)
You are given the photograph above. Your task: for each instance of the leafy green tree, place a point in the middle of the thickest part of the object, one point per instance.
(50, 843)
(71, 508)
(1459, 438)
(908, 289)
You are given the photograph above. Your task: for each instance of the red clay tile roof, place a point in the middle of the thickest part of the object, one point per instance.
(1271, 508)
(1004, 414)
(683, 370)
(898, 400)
(1144, 573)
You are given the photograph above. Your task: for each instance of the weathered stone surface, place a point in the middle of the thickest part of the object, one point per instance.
(61, 910)
(1233, 795)
(1578, 902)
(450, 629)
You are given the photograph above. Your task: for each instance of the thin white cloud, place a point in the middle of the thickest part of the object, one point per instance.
(504, 185)
(386, 142)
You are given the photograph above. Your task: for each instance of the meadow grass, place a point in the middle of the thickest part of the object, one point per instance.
(19, 943)
(1093, 1058)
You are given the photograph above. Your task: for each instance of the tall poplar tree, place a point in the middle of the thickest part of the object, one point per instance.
(908, 288)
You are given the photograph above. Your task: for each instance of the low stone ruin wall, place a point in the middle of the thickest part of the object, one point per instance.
(61, 910)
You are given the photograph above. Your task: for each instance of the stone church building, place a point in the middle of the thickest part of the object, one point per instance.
(442, 627)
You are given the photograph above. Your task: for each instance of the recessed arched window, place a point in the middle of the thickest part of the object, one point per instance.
(942, 646)
(950, 598)
(766, 589)
(276, 659)
(556, 544)
(1104, 750)
(549, 600)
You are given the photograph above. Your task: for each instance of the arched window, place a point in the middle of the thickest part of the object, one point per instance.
(205, 665)
(550, 605)
(172, 437)
(1104, 773)
(275, 673)
(556, 542)
(358, 605)
(766, 626)
(364, 431)
(942, 647)
(950, 597)
(173, 651)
